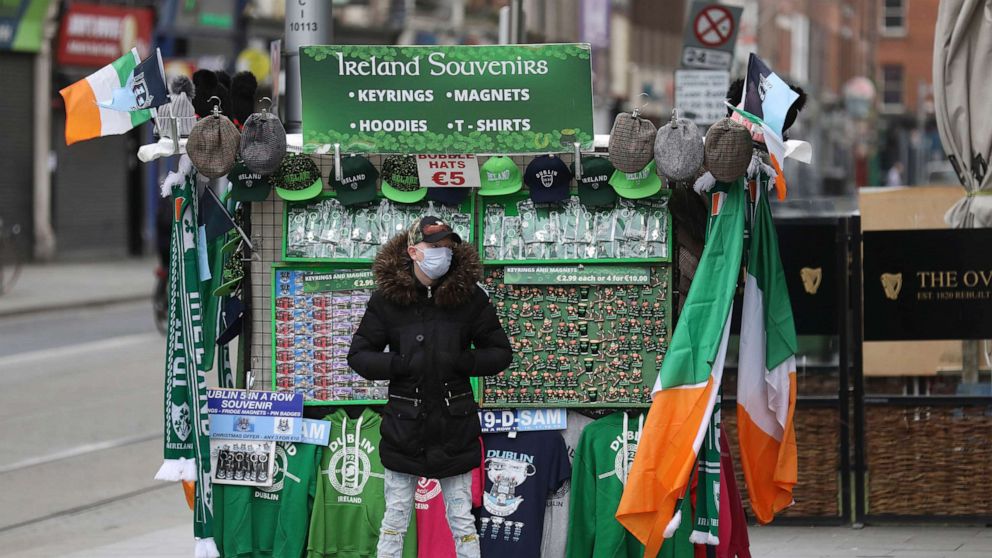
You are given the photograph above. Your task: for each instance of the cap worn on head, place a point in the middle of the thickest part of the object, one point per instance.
(431, 229)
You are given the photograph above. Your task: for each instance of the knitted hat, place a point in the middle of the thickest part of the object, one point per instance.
(630, 142)
(263, 142)
(213, 145)
(678, 150)
(727, 150)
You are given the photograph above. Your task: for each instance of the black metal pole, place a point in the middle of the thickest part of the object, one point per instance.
(859, 375)
(842, 252)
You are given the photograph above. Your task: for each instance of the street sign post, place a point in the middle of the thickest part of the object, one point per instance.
(710, 35)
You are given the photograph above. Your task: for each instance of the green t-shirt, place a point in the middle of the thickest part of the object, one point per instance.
(351, 499)
(598, 471)
(269, 522)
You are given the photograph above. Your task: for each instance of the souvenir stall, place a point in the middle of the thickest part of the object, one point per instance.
(275, 241)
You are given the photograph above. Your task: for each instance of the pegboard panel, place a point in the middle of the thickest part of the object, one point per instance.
(266, 236)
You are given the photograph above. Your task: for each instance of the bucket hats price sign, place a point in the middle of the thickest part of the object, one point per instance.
(448, 99)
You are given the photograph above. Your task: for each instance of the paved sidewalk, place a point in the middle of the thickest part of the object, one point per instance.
(766, 542)
(54, 286)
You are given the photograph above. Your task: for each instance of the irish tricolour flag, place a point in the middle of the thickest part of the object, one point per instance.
(687, 385)
(84, 118)
(766, 380)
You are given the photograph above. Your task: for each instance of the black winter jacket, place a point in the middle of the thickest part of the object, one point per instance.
(430, 426)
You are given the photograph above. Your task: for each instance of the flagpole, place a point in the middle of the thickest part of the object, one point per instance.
(244, 236)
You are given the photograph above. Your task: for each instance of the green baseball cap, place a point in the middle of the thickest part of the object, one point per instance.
(636, 185)
(248, 185)
(500, 176)
(594, 186)
(297, 178)
(357, 184)
(400, 182)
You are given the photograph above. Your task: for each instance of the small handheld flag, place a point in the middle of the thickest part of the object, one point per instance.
(145, 88)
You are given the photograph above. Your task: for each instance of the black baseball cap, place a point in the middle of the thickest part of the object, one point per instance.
(594, 186)
(357, 184)
(448, 196)
(248, 185)
(431, 229)
(547, 178)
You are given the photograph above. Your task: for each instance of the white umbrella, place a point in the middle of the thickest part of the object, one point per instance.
(962, 66)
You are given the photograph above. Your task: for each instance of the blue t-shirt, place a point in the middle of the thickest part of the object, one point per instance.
(521, 473)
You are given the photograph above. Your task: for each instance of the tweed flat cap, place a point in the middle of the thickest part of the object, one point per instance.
(678, 150)
(263, 143)
(631, 142)
(213, 145)
(727, 150)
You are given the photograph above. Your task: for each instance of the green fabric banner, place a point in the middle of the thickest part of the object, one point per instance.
(706, 526)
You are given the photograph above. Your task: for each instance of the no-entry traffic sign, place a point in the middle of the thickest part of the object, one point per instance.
(714, 26)
(710, 34)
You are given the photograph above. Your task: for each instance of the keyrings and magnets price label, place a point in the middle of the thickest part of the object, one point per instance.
(448, 171)
(577, 275)
(338, 281)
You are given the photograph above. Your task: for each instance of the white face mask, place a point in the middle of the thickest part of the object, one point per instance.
(436, 261)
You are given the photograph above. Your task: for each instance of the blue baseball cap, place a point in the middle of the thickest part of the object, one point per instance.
(547, 177)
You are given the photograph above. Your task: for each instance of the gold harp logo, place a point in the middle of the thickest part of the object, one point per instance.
(812, 277)
(892, 283)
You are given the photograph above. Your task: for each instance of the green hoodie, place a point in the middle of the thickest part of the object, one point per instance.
(598, 476)
(351, 497)
(257, 522)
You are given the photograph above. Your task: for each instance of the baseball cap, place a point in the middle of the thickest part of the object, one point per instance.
(248, 185)
(430, 229)
(400, 182)
(263, 142)
(631, 142)
(212, 145)
(297, 178)
(357, 184)
(636, 185)
(547, 178)
(234, 311)
(594, 186)
(500, 176)
(448, 196)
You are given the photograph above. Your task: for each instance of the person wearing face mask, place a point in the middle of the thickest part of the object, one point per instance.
(440, 329)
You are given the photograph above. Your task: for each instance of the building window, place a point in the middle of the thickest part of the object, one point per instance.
(892, 87)
(894, 17)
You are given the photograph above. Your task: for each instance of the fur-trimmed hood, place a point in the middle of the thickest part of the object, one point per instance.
(395, 279)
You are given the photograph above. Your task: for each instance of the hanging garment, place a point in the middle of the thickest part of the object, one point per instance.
(556, 513)
(270, 521)
(350, 500)
(521, 471)
(434, 539)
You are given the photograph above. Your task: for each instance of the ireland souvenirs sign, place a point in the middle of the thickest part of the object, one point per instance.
(448, 99)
